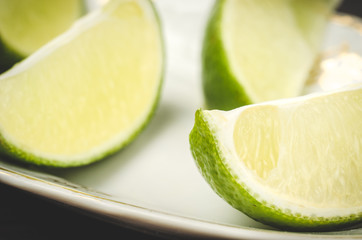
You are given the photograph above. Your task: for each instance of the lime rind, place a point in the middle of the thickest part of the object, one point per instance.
(211, 162)
(220, 86)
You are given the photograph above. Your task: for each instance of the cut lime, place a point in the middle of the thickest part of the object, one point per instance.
(293, 164)
(27, 25)
(88, 92)
(256, 50)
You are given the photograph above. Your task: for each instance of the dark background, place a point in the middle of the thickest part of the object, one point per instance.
(24, 216)
(353, 7)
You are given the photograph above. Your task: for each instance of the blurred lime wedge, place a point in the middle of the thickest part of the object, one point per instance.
(256, 50)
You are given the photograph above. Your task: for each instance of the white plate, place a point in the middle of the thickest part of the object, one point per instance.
(153, 184)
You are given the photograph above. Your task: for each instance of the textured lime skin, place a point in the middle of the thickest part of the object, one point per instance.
(221, 88)
(222, 179)
(9, 149)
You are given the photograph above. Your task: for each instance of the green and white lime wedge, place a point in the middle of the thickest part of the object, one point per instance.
(88, 92)
(27, 25)
(257, 50)
(294, 164)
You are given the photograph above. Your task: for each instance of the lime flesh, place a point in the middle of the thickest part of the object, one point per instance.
(88, 92)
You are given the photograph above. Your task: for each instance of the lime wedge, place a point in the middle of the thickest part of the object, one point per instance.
(88, 92)
(27, 25)
(294, 164)
(257, 50)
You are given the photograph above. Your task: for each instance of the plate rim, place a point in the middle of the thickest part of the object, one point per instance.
(146, 219)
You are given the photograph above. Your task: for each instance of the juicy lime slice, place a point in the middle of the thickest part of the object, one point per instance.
(88, 92)
(27, 25)
(293, 164)
(257, 50)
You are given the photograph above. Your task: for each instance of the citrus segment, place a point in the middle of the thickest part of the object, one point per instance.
(88, 92)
